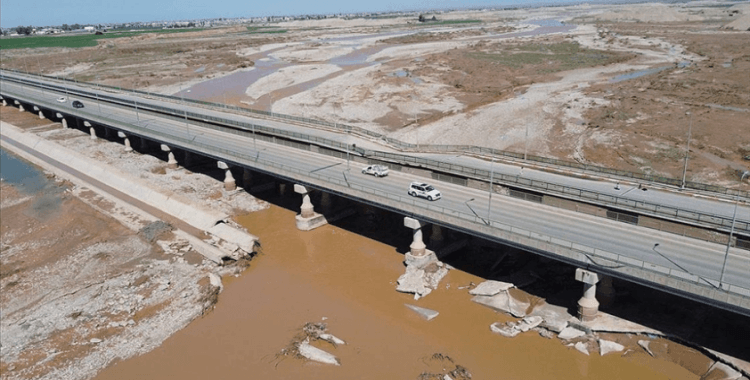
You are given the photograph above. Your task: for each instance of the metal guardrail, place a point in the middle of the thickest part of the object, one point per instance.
(706, 219)
(430, 148)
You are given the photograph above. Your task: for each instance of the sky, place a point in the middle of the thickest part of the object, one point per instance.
(57, 12)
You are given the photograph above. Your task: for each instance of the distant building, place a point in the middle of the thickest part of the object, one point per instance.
(89, 28)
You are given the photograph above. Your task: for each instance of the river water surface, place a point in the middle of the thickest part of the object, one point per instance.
(348, 281)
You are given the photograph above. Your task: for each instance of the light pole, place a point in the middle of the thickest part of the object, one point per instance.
(354, 146)
(687, 151)
(138, 117)
(526, 142)
(184, 108)
(731, 230)
(40, 72)
(98, 102)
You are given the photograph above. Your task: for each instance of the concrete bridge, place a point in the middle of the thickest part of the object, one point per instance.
(694, 247)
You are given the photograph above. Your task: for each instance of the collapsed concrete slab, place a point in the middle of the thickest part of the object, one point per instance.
(721, 371)
(569, 333)
(490, 288)
(511, 329)
(316, 354)
(645, 344)
(424, 313)
(607, 346)
(582, 347)
(504, 302)
(555, 318)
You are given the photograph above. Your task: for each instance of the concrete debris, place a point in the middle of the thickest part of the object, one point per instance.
(569, 333)
(555, 318)
(316, 354)
(721, 371)
(331, 339)
(95, 340)
(215, 281)
(645, 344)
(606, 346)
(490, 288)
(424, 313)
(511, 329)
(580, 346)
(504, 302)
(421, 276)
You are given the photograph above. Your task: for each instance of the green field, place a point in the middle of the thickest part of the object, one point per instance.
(83, 40)
(448, 22)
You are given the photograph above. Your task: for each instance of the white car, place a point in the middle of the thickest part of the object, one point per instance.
(419, 189)
(376, 170)
(62, 99)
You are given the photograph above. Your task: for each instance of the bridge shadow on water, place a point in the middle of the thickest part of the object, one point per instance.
(680, 319)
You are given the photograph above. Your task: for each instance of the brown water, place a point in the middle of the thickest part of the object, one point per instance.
(349, 279)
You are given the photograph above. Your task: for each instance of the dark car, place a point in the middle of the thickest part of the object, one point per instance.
(77, 104)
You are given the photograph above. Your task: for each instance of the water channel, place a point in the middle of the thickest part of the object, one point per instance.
(348, 281)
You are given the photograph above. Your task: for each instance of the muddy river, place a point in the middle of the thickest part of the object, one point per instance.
(348, 281)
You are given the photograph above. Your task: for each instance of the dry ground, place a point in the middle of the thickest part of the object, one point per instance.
(85, 282)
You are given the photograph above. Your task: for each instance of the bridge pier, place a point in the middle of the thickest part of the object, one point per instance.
(92, 131)
(588, 306)
(417, 247)
(423, 269)
(4, 103)
(122, 135)
(308, 219)
(229, 182)
(20, 107)
(41, 115)
(171, 161)
(61, 117)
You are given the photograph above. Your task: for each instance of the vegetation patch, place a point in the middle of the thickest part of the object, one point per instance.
(79, 41)
(548, 58)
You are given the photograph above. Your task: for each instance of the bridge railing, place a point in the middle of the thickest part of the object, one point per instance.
(244, 128)
(464, 149)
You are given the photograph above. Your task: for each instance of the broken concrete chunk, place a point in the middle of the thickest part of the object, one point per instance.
(555, 317)
(721, 371)
(529, 323)
(95, 340)
(606, 346)
(645, 345)
(505, 329)
(490, 288)
(215, 281)
(424, 313)
(505, 303)
(316, 354)
(570, 333)
(331, 338)
(580, 346)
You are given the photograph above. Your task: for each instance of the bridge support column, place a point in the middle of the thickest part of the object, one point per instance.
(64, 122)
(171, 161)
(423, 269)
(417, 247)
(122, 135)
(41, 115)
(588, 306)
(4, 103)
(605, 292)
(20, 108)
(308, 219)
(229, 182)
(247, 179)
(92, 131)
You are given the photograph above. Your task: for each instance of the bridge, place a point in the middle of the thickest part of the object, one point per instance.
(694, 243)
